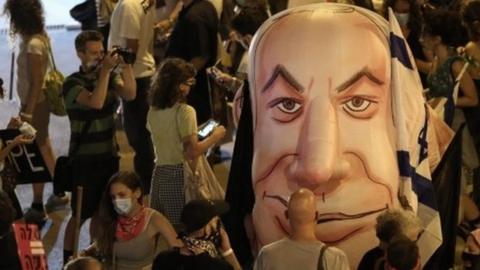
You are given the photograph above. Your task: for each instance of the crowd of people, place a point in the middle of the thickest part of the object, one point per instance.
(165, 90)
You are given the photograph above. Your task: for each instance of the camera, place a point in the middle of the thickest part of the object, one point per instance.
(128, 56)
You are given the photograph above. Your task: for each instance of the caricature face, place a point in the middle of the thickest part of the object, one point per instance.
(323, 121)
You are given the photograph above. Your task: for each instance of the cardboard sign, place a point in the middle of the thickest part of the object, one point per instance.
(26, 159)
(30, 247)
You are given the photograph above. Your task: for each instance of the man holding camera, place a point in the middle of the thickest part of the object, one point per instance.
(131, 28)
(91, 98)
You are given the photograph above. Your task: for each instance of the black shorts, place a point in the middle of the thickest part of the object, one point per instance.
(93, 176)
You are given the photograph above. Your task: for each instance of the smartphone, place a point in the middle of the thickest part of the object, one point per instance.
(205, 129)
(214, 72)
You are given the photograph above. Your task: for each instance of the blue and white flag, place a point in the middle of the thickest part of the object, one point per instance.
(411, 119)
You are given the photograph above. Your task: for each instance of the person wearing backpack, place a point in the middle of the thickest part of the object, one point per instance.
(27, 21)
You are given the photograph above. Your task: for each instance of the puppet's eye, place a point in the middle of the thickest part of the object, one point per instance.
(288, 105)
(360, 106)
(286, 109)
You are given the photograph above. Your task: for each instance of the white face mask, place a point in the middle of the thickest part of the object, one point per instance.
(402, 18)
(92, 65)
(122, 206)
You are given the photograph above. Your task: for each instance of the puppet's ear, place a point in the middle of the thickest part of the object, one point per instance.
(237, 105)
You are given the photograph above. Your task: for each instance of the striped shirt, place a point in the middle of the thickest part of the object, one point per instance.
(99, 141)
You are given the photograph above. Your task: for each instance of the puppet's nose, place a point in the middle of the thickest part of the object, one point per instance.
(318, 160)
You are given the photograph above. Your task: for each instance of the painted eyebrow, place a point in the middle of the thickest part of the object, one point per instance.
(280, 70)
(365, 72)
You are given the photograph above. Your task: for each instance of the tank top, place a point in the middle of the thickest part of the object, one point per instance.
(139, 252)
(441, 84)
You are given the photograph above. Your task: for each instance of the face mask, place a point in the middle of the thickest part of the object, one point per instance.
(402, 18)
(122, 206)
(92, 65)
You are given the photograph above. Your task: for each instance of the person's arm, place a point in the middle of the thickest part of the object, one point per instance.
(469, 96)
(194, 148)
(37, 75)
(227, 252)
(165, 228)
(186, 121)
(96, 98)
(127, 87)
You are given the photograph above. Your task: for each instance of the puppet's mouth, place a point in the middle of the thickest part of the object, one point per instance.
(341, 231)
(329, 216)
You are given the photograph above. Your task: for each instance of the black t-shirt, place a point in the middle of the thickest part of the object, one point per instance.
(373, 260)
(195, 33)
(173, 260)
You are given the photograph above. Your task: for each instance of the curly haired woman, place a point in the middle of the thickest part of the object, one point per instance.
(173, 125)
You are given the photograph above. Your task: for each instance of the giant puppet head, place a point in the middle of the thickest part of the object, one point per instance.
(337, 108)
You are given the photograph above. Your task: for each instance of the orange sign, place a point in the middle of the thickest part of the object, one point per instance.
(30, 247)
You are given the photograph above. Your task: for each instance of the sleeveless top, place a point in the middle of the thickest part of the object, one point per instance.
(139, 252)
(441, 84)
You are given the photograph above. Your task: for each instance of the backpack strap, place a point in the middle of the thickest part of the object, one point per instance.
(46, 41)
(320, 258)
(456, 82)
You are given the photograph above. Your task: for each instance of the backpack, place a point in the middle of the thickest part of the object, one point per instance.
(53, 84)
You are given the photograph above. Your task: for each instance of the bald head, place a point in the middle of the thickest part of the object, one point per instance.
(302, 207)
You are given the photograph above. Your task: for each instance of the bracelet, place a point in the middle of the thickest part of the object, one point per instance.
(26, 115)
(227, 253)
(171, 21)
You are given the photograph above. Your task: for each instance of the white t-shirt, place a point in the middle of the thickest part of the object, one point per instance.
(286, 254)
(135, 19)
(33, 45)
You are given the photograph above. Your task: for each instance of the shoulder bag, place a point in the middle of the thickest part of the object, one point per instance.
(53, 83)
(200, 181)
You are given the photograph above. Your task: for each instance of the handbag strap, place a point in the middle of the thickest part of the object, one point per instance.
(51, 55)
(457, 82)
(46, 41)
(320, 258)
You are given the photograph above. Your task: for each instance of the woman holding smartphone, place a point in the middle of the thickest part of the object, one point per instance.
(173, 126)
